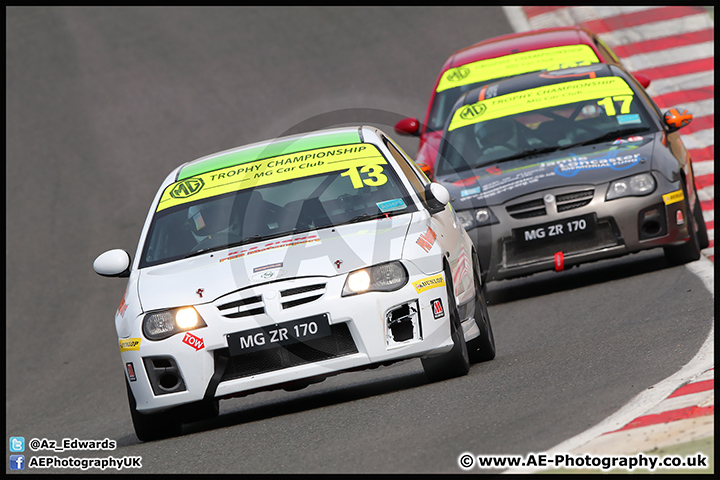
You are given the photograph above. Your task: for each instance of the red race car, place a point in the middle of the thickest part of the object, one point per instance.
(496, 58)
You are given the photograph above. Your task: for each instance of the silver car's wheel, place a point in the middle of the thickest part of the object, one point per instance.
(690, 250)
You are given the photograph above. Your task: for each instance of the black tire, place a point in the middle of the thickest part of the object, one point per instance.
(482, 347)
(702, 233)
(456, 362)
(154, 426)
(690, 250)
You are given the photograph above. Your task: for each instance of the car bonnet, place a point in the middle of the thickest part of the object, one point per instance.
(326, 252)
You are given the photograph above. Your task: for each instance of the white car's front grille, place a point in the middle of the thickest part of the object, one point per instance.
(293, 297)
(247, 303)
(243, 307)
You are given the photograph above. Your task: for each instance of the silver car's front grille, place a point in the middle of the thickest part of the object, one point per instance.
(563, 201)
(570, 201)
(533, 208)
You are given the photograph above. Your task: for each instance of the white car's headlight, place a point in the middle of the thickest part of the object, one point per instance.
(166, 323)
(635, 186)
(386, 277)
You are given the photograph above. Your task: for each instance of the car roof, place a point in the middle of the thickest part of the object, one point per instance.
(538, 79)
(270, 148)
(519, 42)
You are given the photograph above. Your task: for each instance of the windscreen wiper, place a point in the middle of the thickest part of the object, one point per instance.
(612, 135)
(533, 152)
(248, 239)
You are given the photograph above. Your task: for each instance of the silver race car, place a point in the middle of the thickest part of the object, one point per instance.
(552, 169)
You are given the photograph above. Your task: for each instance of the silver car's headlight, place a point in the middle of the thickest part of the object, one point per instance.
(385, 277)
(478, 217)
(635, 186)
(166, 323)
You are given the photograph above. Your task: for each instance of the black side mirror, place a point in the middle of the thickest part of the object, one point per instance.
(436, 197)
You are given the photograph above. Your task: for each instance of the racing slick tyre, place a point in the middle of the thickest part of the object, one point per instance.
(456, 362)
(482, 347)
(153, 426)
(690, 250)
(702, 233)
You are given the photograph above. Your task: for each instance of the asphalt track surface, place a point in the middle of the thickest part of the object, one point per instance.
(103, 102)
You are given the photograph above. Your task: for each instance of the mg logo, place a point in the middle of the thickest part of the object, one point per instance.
(472, 111)
(187, 188)
(458, 74)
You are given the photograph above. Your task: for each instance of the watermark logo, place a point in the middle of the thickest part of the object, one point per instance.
(17, 462)
(17, 444)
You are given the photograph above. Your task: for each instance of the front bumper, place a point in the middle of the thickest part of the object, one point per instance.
(624, 225)
(367, 329)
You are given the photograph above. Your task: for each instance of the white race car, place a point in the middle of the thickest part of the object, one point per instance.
(278, 264)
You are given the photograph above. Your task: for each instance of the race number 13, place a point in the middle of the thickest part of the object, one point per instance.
(374, 178)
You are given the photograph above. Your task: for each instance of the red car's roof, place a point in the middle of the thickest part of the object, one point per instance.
(519, 42)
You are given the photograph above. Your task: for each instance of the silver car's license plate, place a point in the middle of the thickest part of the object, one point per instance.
(556, 230)
(285, 333)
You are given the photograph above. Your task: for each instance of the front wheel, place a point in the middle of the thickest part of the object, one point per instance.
(482, 347)
(690, 250)
(153, 426)
(456, 362)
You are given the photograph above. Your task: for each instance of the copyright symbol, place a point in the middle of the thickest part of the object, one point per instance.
(466, 461)
(34, 444)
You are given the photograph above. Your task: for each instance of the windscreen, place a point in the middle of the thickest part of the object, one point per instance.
(542, 119)
(458, 80)
(273, 197)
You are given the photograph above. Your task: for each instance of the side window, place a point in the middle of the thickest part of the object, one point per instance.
(412, 173)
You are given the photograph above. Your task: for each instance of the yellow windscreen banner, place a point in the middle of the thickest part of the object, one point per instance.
(553, 58)
(271, 170)
(540, 97)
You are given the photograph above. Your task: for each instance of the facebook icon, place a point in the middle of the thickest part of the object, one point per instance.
(17, 462)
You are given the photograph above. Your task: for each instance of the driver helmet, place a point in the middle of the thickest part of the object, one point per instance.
(498, 132)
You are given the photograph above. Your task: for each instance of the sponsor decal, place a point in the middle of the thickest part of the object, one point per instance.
(338, 263)
(268, 275)
(620, 141)
(462, 273)
(352, 160)
(544, 97)
(129, 344)
(571, 167)
(627, 119)
(123, 305)
(427, 239)
(429, 282)
(470, 191)
(131, 371)
(437, 308)
(186, 188)
(200, 292)
(472, 112)
(196, 342)
(391, 205)
(456, 75)
(514, 64)
(673, 197)
(267, 267)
